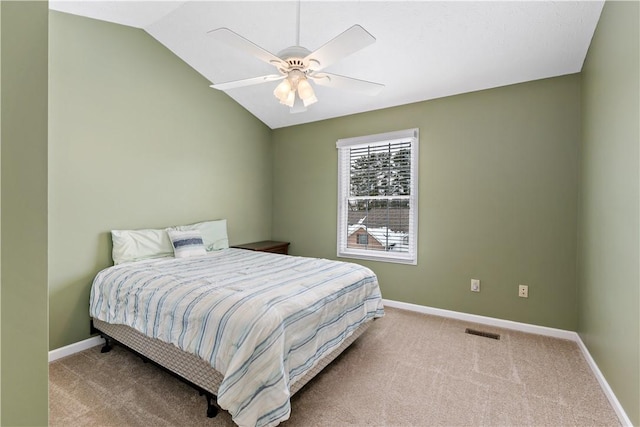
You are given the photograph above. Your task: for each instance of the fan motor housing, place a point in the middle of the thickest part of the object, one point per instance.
(294, 56)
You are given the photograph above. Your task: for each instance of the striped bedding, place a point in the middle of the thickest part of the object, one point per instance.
(263, 320)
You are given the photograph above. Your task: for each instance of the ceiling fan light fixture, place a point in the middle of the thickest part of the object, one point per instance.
(290, 99)
(306, 93)
(283, 90)
(309, 100)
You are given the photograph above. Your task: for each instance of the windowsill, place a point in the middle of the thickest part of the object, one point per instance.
(370, 257)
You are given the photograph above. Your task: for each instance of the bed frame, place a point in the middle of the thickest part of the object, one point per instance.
(189, 368)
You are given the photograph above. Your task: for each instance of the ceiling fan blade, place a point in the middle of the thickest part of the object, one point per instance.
(234, 39)
(349, 83)
(298, 106)
(350, 41)
(247, 82)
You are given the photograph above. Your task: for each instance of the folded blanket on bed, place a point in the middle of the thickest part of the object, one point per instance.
(262, 320)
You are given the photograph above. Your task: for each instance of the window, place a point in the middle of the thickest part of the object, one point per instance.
(363, 239)
(378, 197)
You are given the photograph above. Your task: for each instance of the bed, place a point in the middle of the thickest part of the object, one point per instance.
(247, 329)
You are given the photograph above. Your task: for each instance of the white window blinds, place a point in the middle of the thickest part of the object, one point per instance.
(377, 197)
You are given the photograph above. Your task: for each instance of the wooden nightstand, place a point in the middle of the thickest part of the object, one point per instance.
(266, 246)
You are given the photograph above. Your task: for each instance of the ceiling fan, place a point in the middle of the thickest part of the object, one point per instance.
(297, 66)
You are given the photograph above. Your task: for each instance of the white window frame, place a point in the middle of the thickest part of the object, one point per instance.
(344, 176)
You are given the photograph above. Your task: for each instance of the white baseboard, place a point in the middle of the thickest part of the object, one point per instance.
(525, 327)
(484, 320)
(613, 400)
(70, 349)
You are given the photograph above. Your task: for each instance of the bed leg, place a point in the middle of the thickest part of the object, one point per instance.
(212, 408)
(107, 344)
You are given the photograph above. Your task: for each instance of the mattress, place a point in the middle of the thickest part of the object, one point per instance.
(263, 321)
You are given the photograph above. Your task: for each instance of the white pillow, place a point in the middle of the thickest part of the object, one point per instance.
(136, 245)
(214, 233)
(186, 243)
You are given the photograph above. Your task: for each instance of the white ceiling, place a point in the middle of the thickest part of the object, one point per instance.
(423, 49)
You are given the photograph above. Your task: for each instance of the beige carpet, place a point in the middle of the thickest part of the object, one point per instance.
(408, 369)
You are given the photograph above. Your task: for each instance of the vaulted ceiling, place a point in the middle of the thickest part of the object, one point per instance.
(423, 49)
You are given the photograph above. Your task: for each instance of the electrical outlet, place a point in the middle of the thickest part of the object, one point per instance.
(523, 291)
(475, 285)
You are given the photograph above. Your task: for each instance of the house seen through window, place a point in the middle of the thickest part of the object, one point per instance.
(377, 201)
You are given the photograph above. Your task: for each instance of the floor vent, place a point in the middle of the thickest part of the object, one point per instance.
(482, 334)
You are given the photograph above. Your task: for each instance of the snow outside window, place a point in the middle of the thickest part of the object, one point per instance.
(378, 197)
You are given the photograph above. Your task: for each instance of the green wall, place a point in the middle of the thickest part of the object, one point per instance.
(609, 225)
(137, 139)
(23, 113)
(498, 198)
(0, 212)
